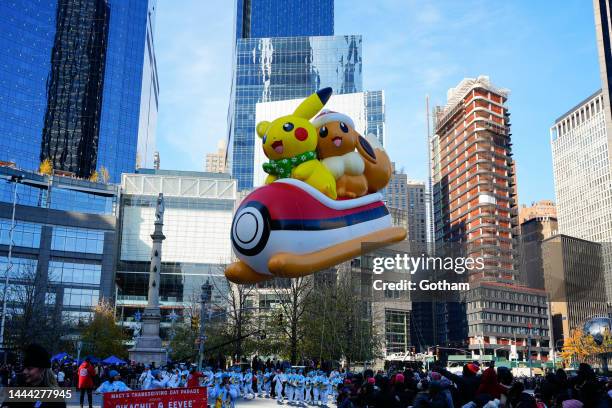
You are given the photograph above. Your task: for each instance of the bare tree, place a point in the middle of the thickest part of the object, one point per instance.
(293, 299)
(33, 309)
(339, 322)
(234, 303)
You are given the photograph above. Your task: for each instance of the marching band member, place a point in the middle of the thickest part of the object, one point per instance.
(209, 377)
(145, 378)
(260, 383)
(247, 384)
(324, 388)
(316, 387)
(280, 379)
(290, 387)
(308, 387)
(175, 379)
(157, 381)
(224, 395)
(299, 389)
(113, 384)
(218, 377)
(267, 382)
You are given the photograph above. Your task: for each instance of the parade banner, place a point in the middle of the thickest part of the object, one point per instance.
(160, 398)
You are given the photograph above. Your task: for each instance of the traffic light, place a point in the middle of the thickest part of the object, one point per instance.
(194, 322)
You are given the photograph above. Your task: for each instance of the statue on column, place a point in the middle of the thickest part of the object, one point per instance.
(148, 347)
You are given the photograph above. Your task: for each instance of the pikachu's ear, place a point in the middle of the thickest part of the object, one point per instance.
(313, 104)
(262, 128)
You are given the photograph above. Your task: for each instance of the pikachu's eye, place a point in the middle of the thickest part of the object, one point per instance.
(323, 131)
(344, 127)
(288, 126)
(263, 140)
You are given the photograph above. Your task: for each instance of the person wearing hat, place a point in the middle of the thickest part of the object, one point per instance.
(87, 373)
(224, 395)
(279, 380)
(157, 381)
(113, 384)
(37, 373)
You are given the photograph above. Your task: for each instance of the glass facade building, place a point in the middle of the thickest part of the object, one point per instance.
(288, 18)
(78, 84)
(197, 221)
(277, 69)
(63, 242)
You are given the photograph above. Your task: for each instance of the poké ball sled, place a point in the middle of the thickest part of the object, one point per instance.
(289, 229)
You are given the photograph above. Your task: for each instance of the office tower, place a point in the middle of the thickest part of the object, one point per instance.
(215, 162)
(197, 221)
(583, 179)
(275, 60)
(79, 85)
(288, 18)
(276, 69)
(365, 108)
(533, 232)
(475, 213)
(409, 196)
(574, 280)
(603, 33)
(542, 208)
(62, 253)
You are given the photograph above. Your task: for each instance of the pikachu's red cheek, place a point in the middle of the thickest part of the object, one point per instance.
(301, 134)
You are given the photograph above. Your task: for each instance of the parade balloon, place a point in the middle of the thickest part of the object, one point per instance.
(294, 226)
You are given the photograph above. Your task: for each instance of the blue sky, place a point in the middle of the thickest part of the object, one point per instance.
(543, 51)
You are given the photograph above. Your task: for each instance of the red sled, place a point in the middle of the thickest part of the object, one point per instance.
(289, 229)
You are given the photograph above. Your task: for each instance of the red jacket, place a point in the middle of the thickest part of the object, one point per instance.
(86, 375)
(194, 379)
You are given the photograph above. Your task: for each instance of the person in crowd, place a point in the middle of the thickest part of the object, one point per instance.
(113, 384)
(225, 394)
(37, 373)
(86, 374)
(279, 381)
(193, 380)
(158, 380)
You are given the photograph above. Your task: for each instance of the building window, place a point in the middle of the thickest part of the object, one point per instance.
(81, 297)
(25, 234)
(396, 331)
(74, 273)
(77, 240)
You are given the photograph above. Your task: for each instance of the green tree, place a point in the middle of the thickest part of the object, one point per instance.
(339, 324)
(183, 344)
(102, 337)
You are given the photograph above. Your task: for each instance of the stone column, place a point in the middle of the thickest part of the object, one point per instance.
(148, 346)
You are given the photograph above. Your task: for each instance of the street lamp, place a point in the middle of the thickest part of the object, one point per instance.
(9, 265)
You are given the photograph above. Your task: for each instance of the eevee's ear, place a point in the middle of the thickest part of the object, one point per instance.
(313, 104)
(262, 128)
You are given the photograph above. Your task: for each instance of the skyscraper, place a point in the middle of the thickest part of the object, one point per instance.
(583, 178)
(475, 211)
(287, 18)
(603, 33)
(78, 85)
(276, 60)
(409, 196)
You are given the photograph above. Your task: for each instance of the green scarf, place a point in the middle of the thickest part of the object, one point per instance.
(282, 167)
